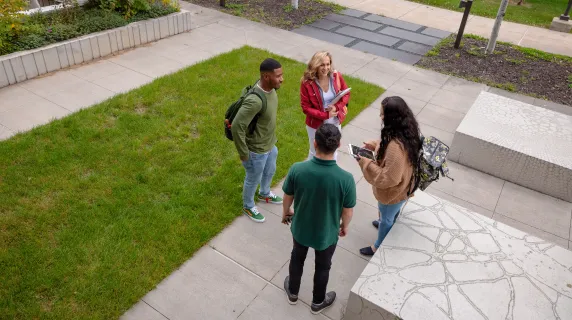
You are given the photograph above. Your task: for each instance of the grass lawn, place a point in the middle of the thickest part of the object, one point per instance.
(99, 207)
(532, 12)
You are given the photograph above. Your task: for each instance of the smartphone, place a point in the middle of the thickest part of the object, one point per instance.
(357, 151)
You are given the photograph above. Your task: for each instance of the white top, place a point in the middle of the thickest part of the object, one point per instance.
(327, 97)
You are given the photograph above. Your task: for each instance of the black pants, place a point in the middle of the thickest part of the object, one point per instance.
(321, 273)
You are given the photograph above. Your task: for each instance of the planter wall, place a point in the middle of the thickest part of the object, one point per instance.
(21, 66)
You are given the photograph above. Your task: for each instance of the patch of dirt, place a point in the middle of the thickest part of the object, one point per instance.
(276, 13)
(526, 71)
(523, 3)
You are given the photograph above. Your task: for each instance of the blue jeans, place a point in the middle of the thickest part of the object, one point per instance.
(260, 169)
(388, 213)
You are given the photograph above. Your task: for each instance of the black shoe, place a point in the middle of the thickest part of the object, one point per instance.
(375, 223)
(367, 251)
(328, 301)
(292, 298)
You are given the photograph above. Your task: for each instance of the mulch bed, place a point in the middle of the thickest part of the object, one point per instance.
(512, 68)
(276, 13)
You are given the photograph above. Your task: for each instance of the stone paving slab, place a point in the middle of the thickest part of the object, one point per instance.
(356, 22)
(271, 304)
(354, 13)
(371, 36)
(394, 22)
(208, 286)
(325, 24)
(414, 48)
(436, 33)
(386, 37)
(389, 53)
(411, 36)
(265, 260)
(324, 35)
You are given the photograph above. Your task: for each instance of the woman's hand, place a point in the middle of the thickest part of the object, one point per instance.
(368, 146)
(332, 110)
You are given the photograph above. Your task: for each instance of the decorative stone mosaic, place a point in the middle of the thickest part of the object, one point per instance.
(441, 261)
(524, 144)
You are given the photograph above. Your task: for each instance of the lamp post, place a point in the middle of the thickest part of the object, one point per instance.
(566, 15)
(467, 4)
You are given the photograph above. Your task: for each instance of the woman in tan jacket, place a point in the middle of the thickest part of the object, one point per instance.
(391, 174)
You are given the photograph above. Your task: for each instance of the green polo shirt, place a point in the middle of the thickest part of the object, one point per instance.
(321, 189)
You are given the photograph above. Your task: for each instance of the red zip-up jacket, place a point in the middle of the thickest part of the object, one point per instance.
(313, 106)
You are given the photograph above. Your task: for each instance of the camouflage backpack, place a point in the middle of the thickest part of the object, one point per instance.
(432, 163)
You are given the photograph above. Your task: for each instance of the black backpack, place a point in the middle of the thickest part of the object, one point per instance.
(235, 106)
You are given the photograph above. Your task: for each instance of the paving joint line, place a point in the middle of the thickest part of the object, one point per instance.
(497, 213)
(159, 312)
(267, 282)
(498, 199)
(524, 35)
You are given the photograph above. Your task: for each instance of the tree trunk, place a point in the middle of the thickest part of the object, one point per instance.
(34, 4)
(295, 4)
(496, 28)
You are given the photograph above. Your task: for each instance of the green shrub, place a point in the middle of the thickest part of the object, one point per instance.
(95, 20)
(37, 30)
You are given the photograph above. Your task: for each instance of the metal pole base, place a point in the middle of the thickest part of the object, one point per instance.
(564, 18)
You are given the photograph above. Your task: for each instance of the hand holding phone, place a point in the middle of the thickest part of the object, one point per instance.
(358, 152)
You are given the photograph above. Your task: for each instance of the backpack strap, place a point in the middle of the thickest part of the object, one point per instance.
(262, 98)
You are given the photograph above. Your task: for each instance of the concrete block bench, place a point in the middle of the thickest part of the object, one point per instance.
(524, 144)
(441, 261)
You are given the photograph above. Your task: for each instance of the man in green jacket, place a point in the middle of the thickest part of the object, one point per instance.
(257, 150)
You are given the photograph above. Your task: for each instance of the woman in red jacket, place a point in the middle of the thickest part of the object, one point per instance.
(320, 84)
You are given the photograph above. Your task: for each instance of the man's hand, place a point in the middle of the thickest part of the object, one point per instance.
(287, 216)
(343, 231)
(244, 158)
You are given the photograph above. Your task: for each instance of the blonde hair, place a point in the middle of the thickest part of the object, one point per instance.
(315, 63)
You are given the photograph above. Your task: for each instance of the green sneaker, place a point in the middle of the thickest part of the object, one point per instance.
(270, 198)
(253, 214)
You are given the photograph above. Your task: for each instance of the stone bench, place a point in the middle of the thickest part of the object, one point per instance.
(518, 142)
(441, 261)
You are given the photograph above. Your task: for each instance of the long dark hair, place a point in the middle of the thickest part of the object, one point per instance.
(400, 123)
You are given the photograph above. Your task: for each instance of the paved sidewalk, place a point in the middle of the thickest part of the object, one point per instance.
(520, 34)
(385, 37)
(239, 274)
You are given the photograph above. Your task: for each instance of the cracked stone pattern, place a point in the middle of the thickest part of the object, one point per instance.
(492, 272)
(524, 144)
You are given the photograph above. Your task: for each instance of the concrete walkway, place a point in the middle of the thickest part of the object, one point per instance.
(239, 274)
(385, 37)
(520, 34)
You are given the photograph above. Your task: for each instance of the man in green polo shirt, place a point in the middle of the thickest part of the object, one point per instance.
(323, 193)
